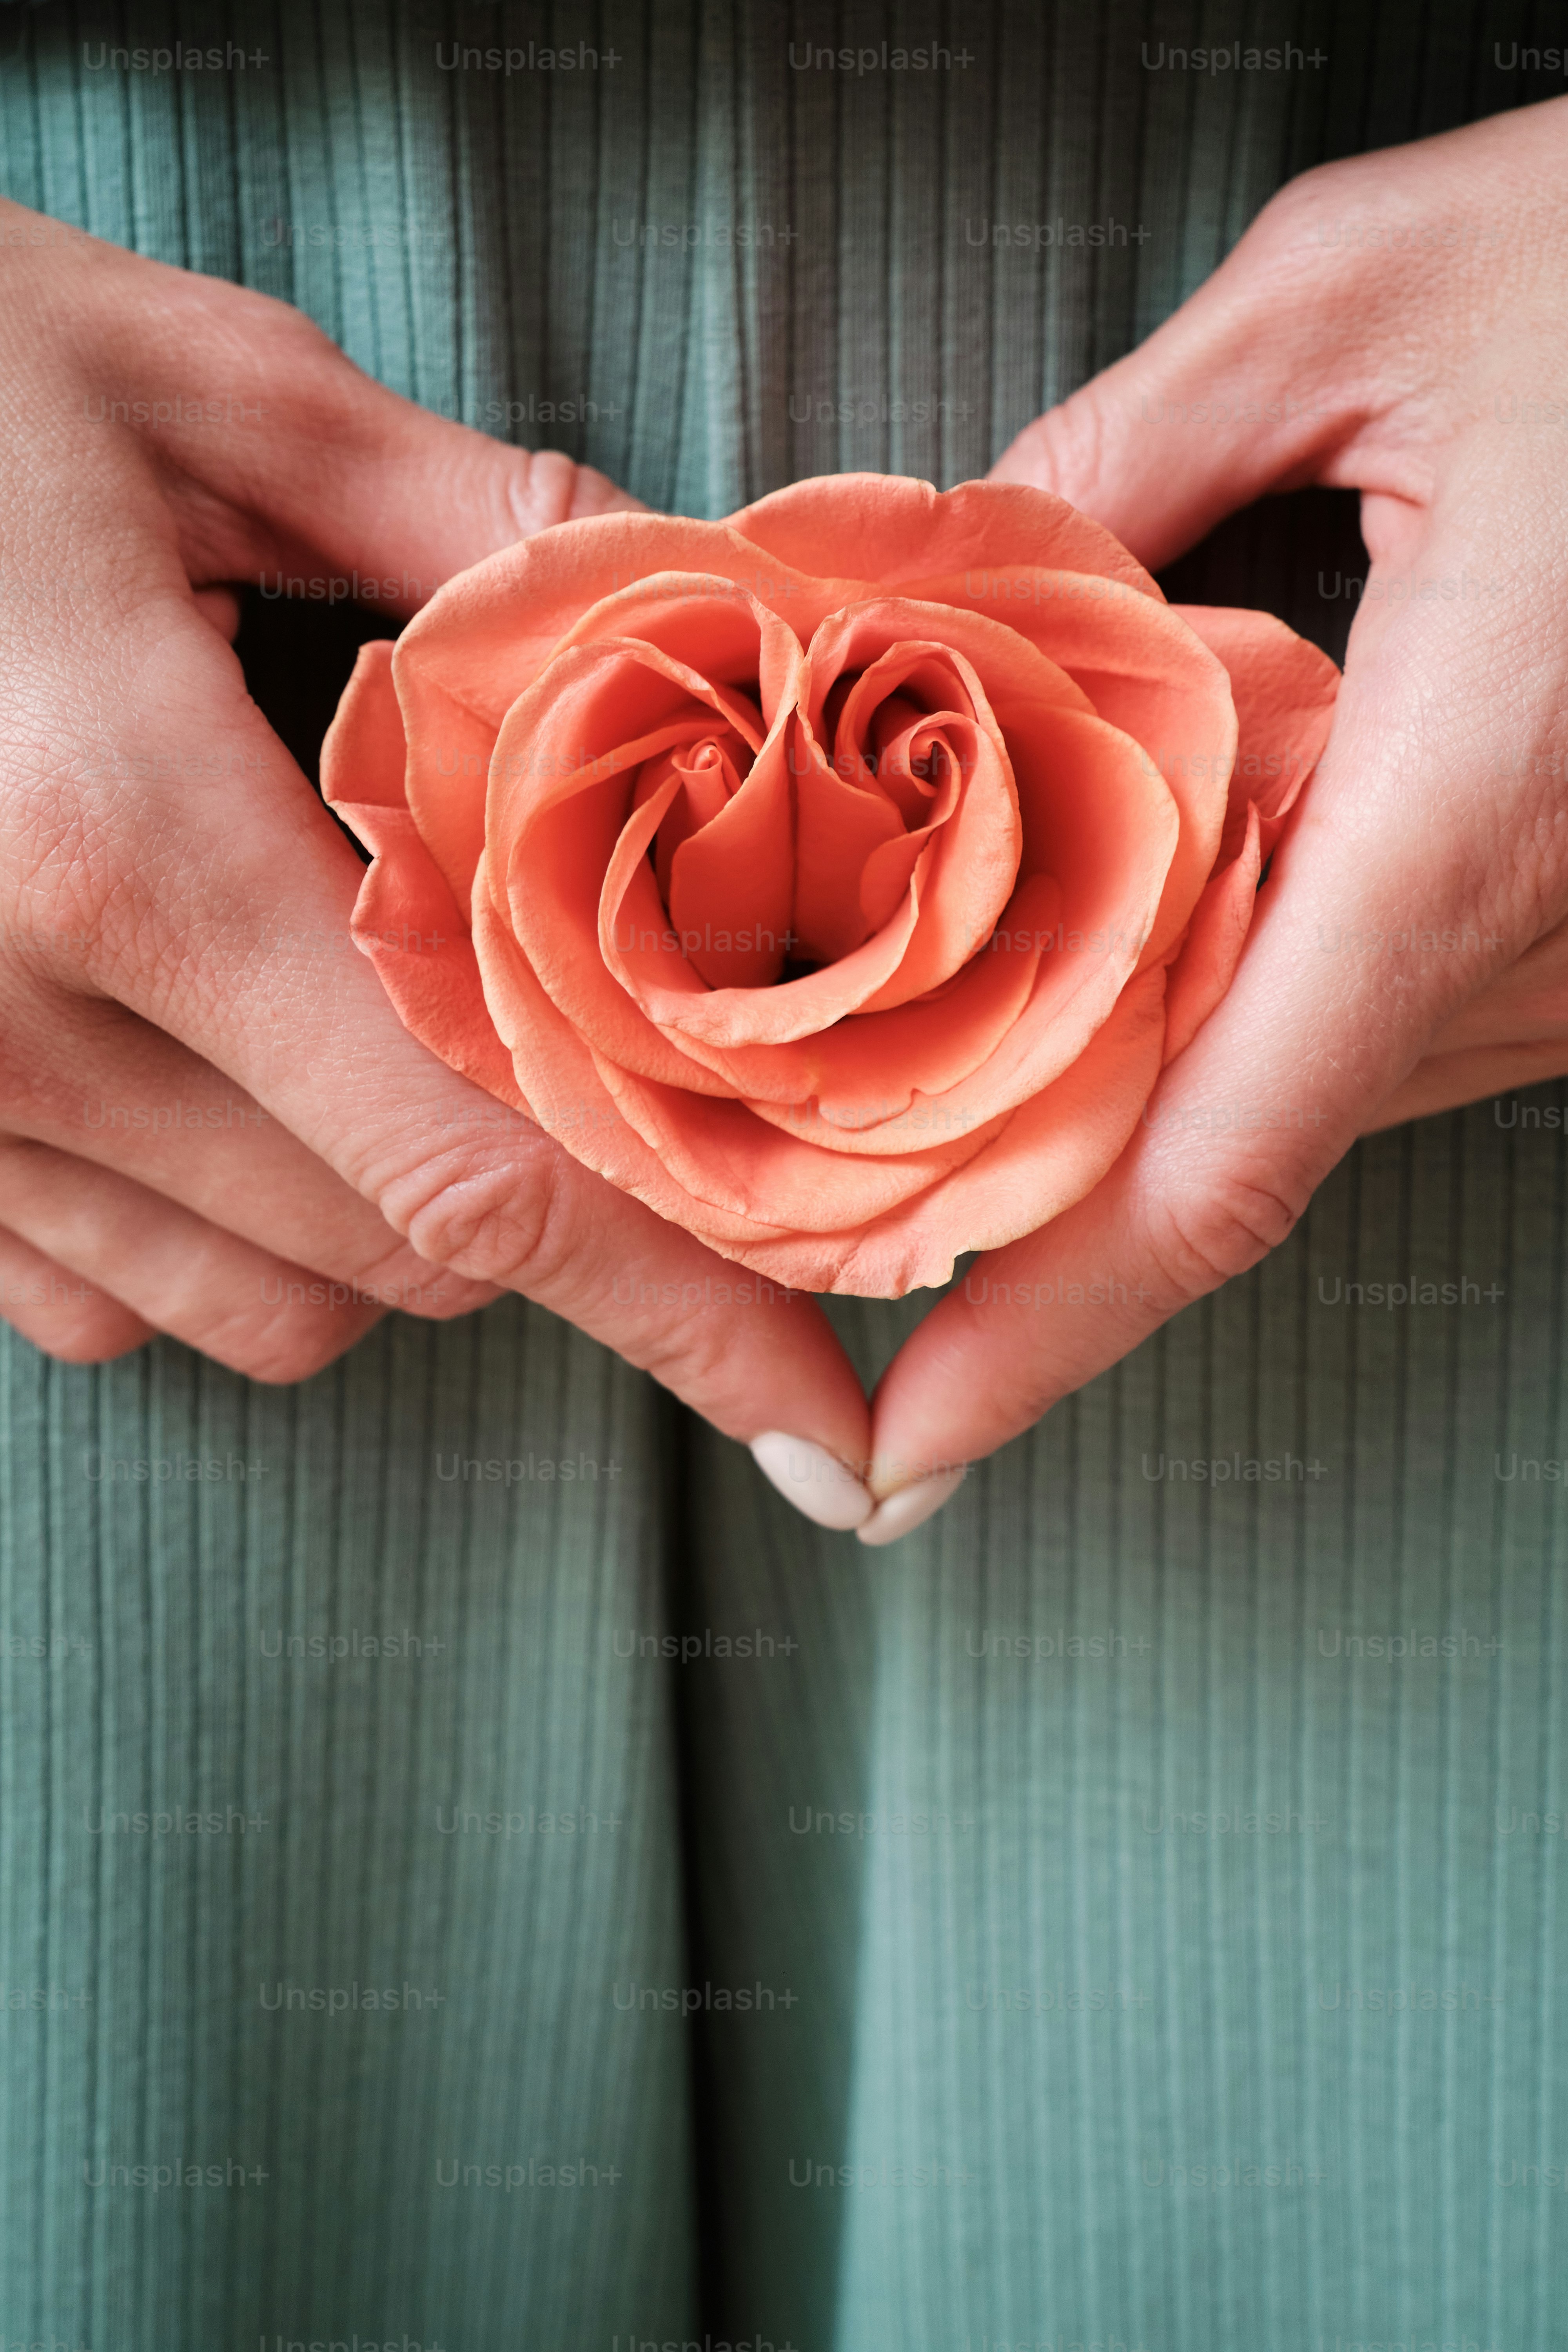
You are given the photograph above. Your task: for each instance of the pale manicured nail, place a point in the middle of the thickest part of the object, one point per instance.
(814, 1480)
(910, 1507)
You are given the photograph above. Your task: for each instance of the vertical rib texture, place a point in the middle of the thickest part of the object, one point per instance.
(1136, 1954)
(303, 1702)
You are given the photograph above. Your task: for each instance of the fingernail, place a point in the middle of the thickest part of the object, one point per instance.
(910, 1507)
(811, 1478)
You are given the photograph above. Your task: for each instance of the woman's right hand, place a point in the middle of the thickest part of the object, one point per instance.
(212, 1122)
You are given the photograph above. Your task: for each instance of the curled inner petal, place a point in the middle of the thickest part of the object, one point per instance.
(709, 769)
(919, 765)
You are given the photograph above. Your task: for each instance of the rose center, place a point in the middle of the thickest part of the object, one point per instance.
(708, 771)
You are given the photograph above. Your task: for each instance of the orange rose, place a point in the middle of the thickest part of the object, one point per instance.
(836, 878)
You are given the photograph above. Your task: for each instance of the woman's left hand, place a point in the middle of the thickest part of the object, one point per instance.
(1395, 324)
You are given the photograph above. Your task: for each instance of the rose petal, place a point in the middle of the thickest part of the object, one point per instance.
(841, 826)
(1091, 797)
(404, 917)
(1064, 1012)
(1015, 734)
(733, 882)
(1050, 1153)
(1284, 690)
(1146, 671)
(566, 1094)
(1205, 966)
(1098, 815)
(482, 641)
(731, 1017)
(732, 637)
(975, 849)
(552, 829)
(723, 1158)
(364, 752)
(709, 772)
(688, 953)
(406, 921)
(883, 1077)
(858, 844)
(889, 530)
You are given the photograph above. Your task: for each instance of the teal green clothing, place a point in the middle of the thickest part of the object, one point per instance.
(479, 1870)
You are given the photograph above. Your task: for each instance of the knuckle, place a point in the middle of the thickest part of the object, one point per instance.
(403, 1279)
(1066, 448)
(1304, 194)
(513, 1223)
(1302, 200)
(279, 334)
(543, 490)
(285, 1350)
(697, 1355)
(1297, 239)
(1207, 1236)
(277, 1342)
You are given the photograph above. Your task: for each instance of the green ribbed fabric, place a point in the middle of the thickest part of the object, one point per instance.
(336, 1719)
(1152, 1942)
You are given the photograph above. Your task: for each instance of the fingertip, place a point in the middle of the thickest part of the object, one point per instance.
(98, 1331)
(910, 1507)
(101, 1338)
(821, 1487)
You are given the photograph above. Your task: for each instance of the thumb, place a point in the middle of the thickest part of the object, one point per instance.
(316, 465)
(1236, 395)
(425, 495)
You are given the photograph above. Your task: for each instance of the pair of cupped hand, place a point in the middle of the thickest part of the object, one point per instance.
(216, 1126)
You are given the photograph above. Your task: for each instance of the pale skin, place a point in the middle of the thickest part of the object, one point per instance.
(175, 901)
(140, 912)
(1438, 366)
